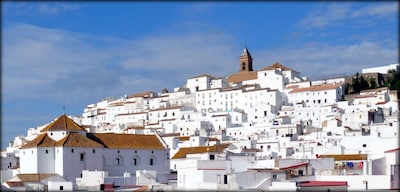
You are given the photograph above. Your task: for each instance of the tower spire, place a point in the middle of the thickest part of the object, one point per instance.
(246, 61)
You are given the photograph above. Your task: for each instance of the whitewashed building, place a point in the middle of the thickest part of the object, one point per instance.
(65, 148)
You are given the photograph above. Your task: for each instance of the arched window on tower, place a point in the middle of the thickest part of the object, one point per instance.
(243, 66)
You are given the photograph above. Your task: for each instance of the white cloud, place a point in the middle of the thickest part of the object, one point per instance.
(317, 59)
(68, 66)
(41, 8)
(339, 13)
(379, 10)
(62, 65)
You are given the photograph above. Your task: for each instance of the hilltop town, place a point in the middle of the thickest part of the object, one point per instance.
(266, 129)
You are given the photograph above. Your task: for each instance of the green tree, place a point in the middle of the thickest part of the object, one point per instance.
(394, 80)
(372, 83)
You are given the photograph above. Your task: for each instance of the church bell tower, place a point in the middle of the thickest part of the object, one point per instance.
(246, 62)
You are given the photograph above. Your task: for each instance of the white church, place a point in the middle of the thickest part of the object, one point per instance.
(66, 149)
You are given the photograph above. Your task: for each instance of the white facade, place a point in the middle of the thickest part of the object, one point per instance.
(382, 69)
(277, 115)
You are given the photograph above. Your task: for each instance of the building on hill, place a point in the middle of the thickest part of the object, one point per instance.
(66, 149)
(382, 69)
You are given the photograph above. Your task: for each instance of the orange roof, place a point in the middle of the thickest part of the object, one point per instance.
(251, 150)
(276, 66)
(41, 141)
(200, 149)
(344, 157)
(34, 177)
(242, 76)
(127, 141)
(317, 88)
(293, 166)
(15, 184)
(63, 123)
(142, 94)
(392, 150)
(171, 135)
(184, 138)
(77, 140)
(320, 183)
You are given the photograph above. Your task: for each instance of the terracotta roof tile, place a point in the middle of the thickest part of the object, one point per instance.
(63, 123)
(142, 94)
(171, 135)
(127, 141)
(251, 150)
(15, 184)
(242, 76)
(276, 66)
(321, 183)
(77, 140)
(200, 149)
(317, 88)
(42, 140)
(184, 138)
(34, 177)
(344, 157)
(293, 166)
(392, 150)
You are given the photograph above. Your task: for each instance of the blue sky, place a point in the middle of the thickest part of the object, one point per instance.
(77, 53)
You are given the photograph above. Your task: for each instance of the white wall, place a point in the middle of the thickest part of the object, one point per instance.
(28, 160)
(60, 186)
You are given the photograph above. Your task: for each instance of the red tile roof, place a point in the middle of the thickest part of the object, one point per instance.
(392, 150)
(77, 140)
(127, 141)
(42, 140)
(276, 66)
(63, 123)
(200, 149)
(344, 157)
(242, 76)
(34, 177)
(142, 94)
(321, 183)
(317, 88)
(293, 166)
(171, 135)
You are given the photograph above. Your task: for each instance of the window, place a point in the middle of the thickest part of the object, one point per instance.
(225, 179)
(94, 151)
(118, 161)
(151, 161)
(61, 188)
(300, 172)
(274, 177)
(212, 157)
(82, 156)
(72, 150)
(47, 151)
(135, 161)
